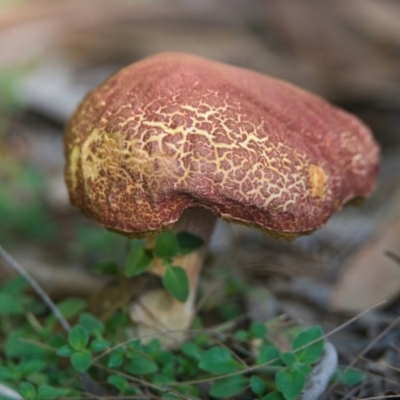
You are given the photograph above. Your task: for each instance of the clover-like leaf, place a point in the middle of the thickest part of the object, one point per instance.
(290, 383)
(119, 382)
(288, 358)
(71, 306)
(218, 360)
(349, 377)
(65, 351)
(191, 349)
(98, 345)
(269, 355)
(274, 396)
(91, 323)
(176, 281)
(78, 337)
(227, 387)
(188, 242)
(116, 359)
(27, 390)
(167, 245)
(81, 360)
(138, 261)
(47, 392)
(312, 352)
(257, 385)
(138, 364)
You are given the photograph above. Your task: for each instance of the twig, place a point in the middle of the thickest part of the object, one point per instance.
(36, 287)
(318, 381)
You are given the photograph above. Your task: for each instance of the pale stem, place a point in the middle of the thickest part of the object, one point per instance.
(157, 310)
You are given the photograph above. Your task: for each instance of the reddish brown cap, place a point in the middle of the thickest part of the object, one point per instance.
(176, 131)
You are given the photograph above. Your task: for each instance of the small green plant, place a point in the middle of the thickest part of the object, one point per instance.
(41, 362)
(167, 246)
(227, 372)
(42, 392)
(84, 340)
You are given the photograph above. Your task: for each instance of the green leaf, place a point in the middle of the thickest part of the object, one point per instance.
(288, 358)
(290, 383)
(78, 337)
(91, 324)
(109, 268)
(311, 353)
(160, 379)
(167, 245)
(116, 359)
(81, 360)
(47, 392)
(228, 387)
(176, 281)
(14, 286)
(138, 261)
(191, 349)
(27, 390)
(141, 365)
(65, 351)
(119, 382)
(241, 335)
(274, 396)
(349, 377)
(28, 367)
(257, 385)
(98, 345)
(267, 353)
(10, 305)
(258, 330)
(305, 368)
(188, 242)
(189, 392)
(71, 307)
(218, 360)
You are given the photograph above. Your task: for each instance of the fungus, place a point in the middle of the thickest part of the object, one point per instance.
(175, 140)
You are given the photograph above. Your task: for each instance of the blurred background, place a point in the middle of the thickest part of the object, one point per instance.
(53, 51)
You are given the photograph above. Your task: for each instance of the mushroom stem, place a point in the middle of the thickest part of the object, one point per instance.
(156, 311)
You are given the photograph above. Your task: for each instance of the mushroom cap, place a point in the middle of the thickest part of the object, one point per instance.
(176, 131)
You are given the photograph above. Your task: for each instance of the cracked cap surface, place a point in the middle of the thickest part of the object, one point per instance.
(176, 131)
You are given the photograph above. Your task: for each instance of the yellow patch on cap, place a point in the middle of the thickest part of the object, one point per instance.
(318, 180)
(74, 158)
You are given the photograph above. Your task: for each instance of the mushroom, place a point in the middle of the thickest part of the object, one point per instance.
(175, 140)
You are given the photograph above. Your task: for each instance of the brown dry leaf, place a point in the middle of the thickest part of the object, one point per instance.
(370, 277)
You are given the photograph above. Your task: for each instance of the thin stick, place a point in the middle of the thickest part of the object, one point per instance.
(36, 287)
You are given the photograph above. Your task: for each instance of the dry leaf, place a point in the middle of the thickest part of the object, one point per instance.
(371, 276)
